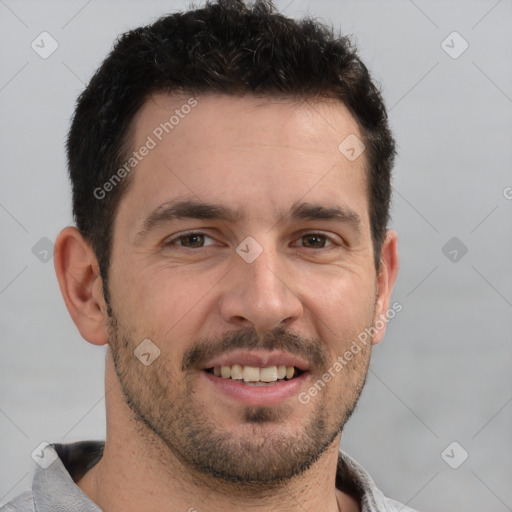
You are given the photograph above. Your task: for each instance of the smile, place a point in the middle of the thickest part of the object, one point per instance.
(255, 375)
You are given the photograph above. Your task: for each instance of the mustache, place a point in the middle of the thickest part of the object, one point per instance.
(277, 339)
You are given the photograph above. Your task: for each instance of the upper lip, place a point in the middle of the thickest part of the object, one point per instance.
(258, 359)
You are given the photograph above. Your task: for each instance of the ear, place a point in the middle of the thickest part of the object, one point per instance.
(81, 285)
(386, 278)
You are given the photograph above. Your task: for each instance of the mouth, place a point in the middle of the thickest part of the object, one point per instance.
(255, 378)
(254, 375)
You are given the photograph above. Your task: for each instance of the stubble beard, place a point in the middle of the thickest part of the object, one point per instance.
(266, 455)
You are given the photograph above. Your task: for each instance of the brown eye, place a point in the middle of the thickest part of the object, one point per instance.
(314, 241)
(192, 240)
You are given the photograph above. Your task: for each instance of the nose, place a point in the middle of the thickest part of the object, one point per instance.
(260, 295)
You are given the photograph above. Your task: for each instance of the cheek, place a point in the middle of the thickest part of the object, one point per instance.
(167, 307)
(343, 326)
(343, 301)
(156, 296)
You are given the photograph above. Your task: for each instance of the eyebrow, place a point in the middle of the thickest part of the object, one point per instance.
(194, 209)
(191, 209)
(308, 211)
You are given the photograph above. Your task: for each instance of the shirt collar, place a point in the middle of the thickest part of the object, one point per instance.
(55, 490)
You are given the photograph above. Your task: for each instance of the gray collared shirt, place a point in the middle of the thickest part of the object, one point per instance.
(54, 488)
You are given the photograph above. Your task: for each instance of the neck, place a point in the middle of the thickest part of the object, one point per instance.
(139, 472)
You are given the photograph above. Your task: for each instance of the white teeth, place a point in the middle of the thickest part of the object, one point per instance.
(253, 373)
(268, 374)
(237, 372)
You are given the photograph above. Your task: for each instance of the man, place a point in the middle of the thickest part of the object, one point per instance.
(231, 187)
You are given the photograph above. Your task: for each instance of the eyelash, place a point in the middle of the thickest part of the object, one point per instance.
(183, 235)
(174, 240)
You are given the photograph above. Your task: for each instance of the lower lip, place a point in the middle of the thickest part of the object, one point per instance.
(257, 395)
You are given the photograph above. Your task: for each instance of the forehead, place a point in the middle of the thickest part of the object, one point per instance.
(242, 151)
(313, 124)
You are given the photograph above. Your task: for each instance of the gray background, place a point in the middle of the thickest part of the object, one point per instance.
(442, 374)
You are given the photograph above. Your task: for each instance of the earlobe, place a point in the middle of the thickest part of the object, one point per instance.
(385, 281)
(81, 285)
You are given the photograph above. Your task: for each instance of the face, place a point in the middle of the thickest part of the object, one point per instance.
(242, 250)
